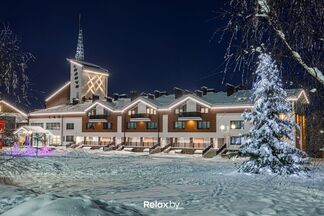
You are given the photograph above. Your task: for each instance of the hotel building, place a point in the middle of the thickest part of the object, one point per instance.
(81, 113)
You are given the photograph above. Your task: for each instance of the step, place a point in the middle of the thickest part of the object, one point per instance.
(146, 150)
(198, 151)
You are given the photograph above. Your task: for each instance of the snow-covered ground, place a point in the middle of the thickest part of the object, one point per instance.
(118, 183)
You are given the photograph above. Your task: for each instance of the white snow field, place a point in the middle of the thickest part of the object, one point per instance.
(79, 183)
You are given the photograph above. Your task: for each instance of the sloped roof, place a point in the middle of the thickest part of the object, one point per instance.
(32, 129)
(91, 66)
(212, 99)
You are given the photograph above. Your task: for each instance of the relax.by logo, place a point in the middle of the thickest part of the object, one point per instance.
(158, 205)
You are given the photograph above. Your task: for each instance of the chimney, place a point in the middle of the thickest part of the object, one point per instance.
(199, 93)
(163, 93)
(144, 94)
(133, 95)
(75, 101)
(83, 99)
(95, 97)
(109, 99)
(230, 89)
(116, 96)
(178, 92)
(211, 90)
(123, 96)
(150, 96)
(204, 90)
(157, 93)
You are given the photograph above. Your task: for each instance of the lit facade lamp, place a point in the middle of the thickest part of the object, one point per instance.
(233, 126)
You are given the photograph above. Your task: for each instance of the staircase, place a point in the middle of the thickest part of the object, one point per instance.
(155, 149)
(166, 148)
(209, 151)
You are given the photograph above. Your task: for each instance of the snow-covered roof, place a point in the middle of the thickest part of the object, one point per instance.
(13, 107)
(89, 66)
(164, 102)
(32, 129)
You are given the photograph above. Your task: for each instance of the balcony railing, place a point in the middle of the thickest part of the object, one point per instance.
(184, 116)
(190, 114)
(140, 144)
(189, 145)
(98, 116)
(140, 117)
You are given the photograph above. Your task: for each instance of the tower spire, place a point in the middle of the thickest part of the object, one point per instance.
(79, 55)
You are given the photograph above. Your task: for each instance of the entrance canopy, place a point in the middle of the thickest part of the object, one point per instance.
(32, 130)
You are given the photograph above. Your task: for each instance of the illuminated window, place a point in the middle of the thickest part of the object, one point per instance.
(56, 140)
(151, 111)
(180, 109)
(131, 112)
(92, 112)
(204, 110)
(179, 125)
(237, 124)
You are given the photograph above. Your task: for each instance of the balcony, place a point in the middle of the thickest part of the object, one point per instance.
(185, 116)
(137, 117)
(98, 118)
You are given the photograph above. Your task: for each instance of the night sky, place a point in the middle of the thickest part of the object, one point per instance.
(146, 45)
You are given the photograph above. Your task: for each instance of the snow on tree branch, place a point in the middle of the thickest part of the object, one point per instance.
(270, 141)
(13, 64)
(291, 30)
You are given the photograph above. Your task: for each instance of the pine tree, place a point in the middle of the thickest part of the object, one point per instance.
(270, 141)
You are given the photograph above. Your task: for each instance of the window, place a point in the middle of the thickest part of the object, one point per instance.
(37, 124)
(151, 111)
(131, 125)
(131, 112)
(236, 140)
(56, 140)
(92, 112)
(204, 110)
(53, 126)
(237, 124)
(179, 125)
(107, 125)
(180, 109)
(69, 138)
(106, 113)
(203, 125)
(90, 125)
(151, 125)
(69, 126)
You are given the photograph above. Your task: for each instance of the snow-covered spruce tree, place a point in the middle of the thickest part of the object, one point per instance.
(269, 143)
